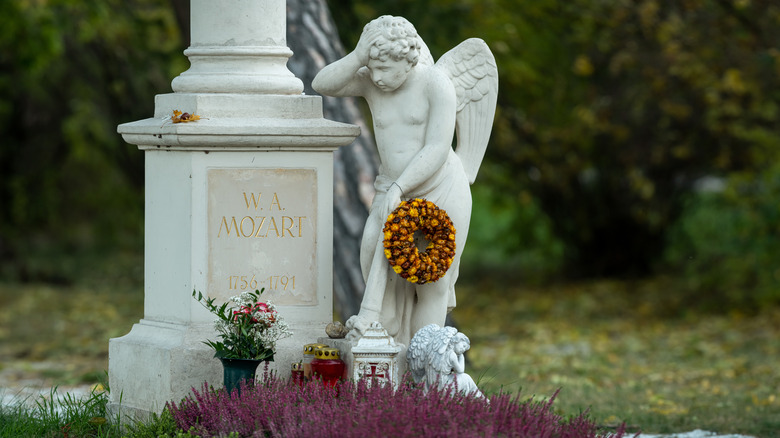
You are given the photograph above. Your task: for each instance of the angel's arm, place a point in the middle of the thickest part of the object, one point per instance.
(347, 77)
(341, 78)
(459, 364)
(438, 136)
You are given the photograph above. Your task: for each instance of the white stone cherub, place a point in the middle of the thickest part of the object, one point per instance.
(416, 107)
(435, 357)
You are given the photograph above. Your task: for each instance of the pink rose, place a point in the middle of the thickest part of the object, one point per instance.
(261, 307)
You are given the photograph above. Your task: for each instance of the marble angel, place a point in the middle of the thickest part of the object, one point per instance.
(417, 106)
(435, 357)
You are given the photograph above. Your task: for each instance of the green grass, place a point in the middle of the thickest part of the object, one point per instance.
(58, 334)
(70, 416)
(613, 347)
(44, 417)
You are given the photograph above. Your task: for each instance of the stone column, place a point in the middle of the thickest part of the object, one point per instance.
(238, 200)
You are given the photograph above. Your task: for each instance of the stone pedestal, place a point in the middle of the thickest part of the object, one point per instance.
(238, 200)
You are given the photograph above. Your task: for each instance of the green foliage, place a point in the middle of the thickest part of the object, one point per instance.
(70, 71)
(609, 111)
(639, 100)
(500, 224)
(727, 245)
(158, 426)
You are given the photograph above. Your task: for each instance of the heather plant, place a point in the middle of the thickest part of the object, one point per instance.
(278, 408)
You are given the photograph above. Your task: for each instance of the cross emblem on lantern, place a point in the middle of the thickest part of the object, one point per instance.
(371, 371)
(376, 370)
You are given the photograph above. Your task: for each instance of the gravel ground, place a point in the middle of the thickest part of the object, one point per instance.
(26, 382)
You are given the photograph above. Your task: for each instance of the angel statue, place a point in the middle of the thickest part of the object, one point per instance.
(435, 356)
(416, 107)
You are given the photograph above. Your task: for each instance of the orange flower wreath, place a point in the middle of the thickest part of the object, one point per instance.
(401, 251)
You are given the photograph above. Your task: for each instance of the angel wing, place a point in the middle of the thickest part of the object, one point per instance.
(438, 364)
(417, 353)
(472, 69)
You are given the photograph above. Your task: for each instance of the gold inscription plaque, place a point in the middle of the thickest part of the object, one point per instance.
(261, 233)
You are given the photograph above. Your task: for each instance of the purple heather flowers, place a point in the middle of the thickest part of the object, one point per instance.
(278, 408)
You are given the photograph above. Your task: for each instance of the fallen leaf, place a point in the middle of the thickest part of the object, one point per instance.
(180, 117)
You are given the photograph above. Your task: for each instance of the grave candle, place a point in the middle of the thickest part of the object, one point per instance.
(328, 366)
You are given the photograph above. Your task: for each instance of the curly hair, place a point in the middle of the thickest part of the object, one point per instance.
(399, 40)
(460, 337)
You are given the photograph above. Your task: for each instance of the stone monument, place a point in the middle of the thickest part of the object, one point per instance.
(239, 198)
(417, 105)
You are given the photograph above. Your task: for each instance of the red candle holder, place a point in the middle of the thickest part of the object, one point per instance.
(308, 357)
(328, 366)
(297, 373)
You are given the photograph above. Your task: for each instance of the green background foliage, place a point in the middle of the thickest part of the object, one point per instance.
(70, 72)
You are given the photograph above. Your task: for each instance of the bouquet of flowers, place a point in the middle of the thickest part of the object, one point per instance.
(248, 331)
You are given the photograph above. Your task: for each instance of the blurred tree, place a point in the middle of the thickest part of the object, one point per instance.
(656, 95)
(70, 71)
(727, 245)
(312, 36)
(611, 110)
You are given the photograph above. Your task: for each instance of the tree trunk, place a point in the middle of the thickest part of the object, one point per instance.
(314, 40)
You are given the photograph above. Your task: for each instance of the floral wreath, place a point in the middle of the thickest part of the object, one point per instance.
(401, 251)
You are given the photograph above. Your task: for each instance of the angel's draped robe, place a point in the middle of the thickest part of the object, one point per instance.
(448, 188)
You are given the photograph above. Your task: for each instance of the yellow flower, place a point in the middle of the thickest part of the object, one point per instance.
(397, 269)
(388, 254)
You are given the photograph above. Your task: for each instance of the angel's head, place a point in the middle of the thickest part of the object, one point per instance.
(394, 53)
(398, 41)
(460, 343)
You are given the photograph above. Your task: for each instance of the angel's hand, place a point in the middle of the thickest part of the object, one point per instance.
(367, 39)
(392, 198)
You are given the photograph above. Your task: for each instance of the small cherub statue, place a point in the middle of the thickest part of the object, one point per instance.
(417, 106)
(435, 356)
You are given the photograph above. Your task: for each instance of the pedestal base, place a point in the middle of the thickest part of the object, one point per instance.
(156, 363)
(160, 362)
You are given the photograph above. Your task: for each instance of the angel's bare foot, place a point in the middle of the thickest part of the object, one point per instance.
(359, 323)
